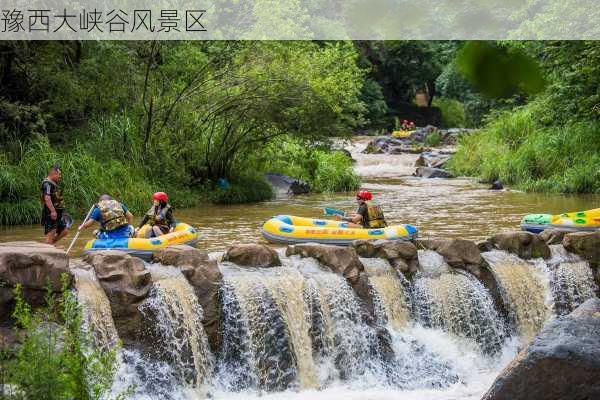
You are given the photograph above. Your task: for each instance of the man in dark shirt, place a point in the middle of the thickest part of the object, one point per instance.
(53, 206)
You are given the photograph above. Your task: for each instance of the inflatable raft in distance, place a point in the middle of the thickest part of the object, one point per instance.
(288, 229)
(143, 248)
(576, 221)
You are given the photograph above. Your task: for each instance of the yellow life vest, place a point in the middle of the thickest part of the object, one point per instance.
(113, 215)
(375, 216)
(159, 218)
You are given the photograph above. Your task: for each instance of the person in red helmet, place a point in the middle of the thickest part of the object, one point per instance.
(368, 215)
(159, 217)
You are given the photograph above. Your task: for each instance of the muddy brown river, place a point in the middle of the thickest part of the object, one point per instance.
(450, 208)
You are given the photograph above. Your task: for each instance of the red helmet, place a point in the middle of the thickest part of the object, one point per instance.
(160, 196)
(364, 195)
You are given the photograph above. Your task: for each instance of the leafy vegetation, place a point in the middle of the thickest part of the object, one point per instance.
(552, 143)
(56, 359)
(129, 118)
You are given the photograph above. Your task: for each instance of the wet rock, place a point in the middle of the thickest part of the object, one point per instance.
(285, 184)
(32, 265)
(401, 255)
(458, 253)
(432, 159)
(252, 255)
(428, 172)
(496, 185)
(419, 134)
(341, 260)
(126, 283)
(205, 277)
(561, 362)
(553, 236)
(407, 149)
(524, 244)
(585, 244)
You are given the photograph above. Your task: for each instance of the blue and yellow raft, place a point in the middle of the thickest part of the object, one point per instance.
(143, 248)
(289, 229)
(588, 220)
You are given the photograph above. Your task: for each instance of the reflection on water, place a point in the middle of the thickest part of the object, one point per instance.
(450, 208)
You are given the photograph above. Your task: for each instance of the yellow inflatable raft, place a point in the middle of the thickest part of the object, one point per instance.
(290, 229)
(577, 221)
(143, 248)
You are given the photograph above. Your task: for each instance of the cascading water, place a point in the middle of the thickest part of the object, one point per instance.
(458, 303)
(524, 289)
(392, 304)
(266, 329)
(571, 280)
(176, 325)
(97, 311)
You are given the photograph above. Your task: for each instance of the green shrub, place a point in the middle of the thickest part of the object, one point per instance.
(333, 173)
(247, 189)
(57, 358)
(325, 170)
(433, 139)
(453, 112)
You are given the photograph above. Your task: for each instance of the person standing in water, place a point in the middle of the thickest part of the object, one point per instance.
(368, 215)
(53, 207)
(159, 217)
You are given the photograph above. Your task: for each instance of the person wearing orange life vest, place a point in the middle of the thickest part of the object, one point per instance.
(367, 216)
(159, 217)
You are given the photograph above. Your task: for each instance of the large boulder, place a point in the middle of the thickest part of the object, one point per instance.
(432, 159)
(34, 266)
(429, 172)
(126, 283)
(524, 244)
(204, 275)
(341, 260)
(287, 185)
(458, 253)
(586, 244)
(252, 255)
(561, 362)
(553, 236)
(402, 255)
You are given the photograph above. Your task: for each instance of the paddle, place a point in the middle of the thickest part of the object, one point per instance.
(333, 211)
(78, 230)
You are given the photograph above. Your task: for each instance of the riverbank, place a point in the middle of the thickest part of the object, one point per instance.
(438, 318)
(440, 208)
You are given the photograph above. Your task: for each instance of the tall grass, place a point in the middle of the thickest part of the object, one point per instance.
(86, 175)
(518, 150)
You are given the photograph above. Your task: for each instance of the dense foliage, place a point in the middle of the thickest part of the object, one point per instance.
(129, 118)
(551, 143)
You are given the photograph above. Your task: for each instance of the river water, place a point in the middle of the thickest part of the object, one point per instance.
(449, 208)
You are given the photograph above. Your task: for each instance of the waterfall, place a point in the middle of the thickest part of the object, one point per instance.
(392, 303)
(174, 326)
(458, 303)
(347, 335)
(524, 289)
(572, 281)
(96, 307)
(266, 318)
